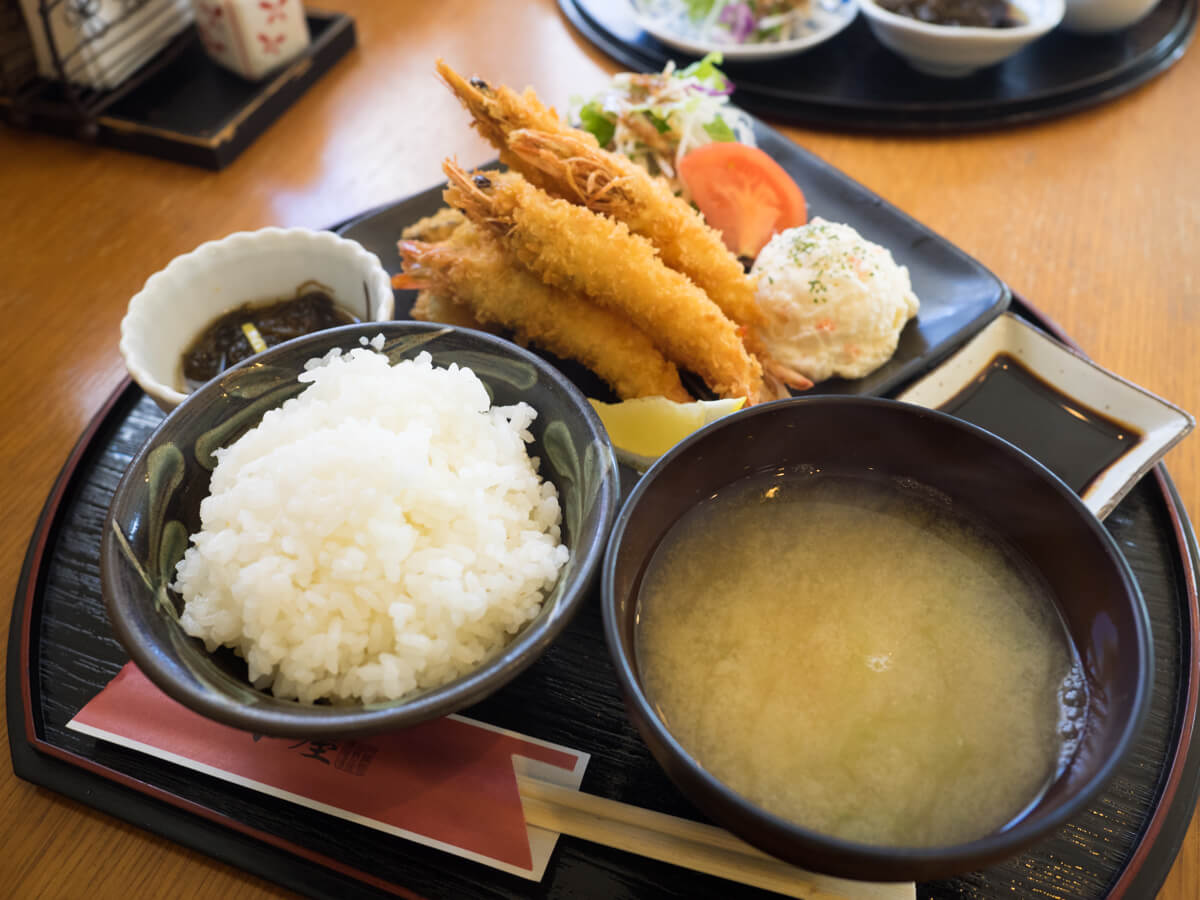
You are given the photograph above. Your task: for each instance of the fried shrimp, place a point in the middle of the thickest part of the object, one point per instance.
(473, 268)
(496, 111)
(434, 228)
(568, 162)
(613, 185)
(577, 250)
(444, 308)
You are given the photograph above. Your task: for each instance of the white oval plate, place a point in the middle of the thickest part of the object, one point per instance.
(828, 18)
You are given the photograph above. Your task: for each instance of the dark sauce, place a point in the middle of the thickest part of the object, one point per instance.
(972, 13)
(224, 343)
(1073, 441)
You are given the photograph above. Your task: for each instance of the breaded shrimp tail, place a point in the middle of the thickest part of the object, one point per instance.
(443, 308)
(611, 184)
(498, 110)
(568, 162)
(434, 228)
(473, 268)
(579, 251)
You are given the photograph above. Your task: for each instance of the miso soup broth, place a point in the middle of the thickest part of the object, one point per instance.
(850, 654)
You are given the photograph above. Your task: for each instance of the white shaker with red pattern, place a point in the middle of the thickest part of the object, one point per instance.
(252, 37)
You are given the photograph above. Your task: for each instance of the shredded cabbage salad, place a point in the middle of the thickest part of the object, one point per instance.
(657, 119)
(728, 21)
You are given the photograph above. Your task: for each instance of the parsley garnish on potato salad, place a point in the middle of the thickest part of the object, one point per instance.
(655, 119)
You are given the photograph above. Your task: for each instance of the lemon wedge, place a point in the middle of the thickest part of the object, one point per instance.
(644, 429)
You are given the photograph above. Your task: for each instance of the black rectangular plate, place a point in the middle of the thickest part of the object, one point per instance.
(958, 294)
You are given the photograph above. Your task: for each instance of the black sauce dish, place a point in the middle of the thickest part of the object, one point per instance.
(986, 478)
(157, 505)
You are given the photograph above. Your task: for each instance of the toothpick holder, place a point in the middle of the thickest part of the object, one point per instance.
(252, 37)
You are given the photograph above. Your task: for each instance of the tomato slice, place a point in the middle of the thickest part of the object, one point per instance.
(743, 193)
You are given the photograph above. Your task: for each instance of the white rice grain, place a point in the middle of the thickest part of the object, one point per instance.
(381, 533)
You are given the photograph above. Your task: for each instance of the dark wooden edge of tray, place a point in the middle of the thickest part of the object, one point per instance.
(860, 118)
(208, 832)
(1133, 875)
(42, 763)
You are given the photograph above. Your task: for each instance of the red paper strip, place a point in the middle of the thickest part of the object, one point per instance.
(450, 781)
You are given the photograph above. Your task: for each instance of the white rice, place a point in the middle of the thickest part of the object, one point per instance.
(380, 533)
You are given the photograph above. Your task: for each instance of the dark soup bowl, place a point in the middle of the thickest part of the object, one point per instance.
(157, 506)
(1087, 595)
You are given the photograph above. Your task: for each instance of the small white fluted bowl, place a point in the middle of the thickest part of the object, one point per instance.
(954, 51)
(1100, 16)
(178, 303)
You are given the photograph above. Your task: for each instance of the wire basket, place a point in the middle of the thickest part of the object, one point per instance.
(63, 62)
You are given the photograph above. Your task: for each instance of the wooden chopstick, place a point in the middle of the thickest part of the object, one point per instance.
(681, 842)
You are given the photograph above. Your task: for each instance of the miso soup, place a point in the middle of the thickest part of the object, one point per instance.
(852, 655)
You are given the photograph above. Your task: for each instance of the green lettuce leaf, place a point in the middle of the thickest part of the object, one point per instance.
(706, 72)
(698, 9)
(592, 118)
(661, 125)
(718, 129)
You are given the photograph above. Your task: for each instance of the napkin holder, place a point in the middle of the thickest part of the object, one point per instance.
(98, 44)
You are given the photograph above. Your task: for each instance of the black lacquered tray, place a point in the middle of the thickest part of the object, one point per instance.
(62, 651)
(851, 82)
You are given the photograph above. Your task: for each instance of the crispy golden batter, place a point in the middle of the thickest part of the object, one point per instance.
(434, 228)
(579, 251)
(441, 307)
(616, 186)
(567, 162)
(498, 110)
(476, 270)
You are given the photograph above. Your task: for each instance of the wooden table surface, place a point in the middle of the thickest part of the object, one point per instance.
(1094, 217)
